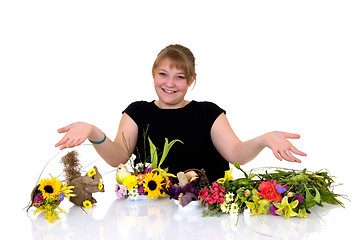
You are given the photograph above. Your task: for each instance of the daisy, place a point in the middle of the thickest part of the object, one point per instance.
(133, 194)
(229, 197)
(233, 208)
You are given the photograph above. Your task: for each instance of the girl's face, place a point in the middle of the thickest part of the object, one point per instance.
(170, 85)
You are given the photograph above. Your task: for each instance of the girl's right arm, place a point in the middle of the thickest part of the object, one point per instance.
(113, 152)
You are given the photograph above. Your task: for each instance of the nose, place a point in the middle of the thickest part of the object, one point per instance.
(170, 82)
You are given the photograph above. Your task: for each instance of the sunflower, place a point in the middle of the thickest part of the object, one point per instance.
(152, 185)
(50, 188)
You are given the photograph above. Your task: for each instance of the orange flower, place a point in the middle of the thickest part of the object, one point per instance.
(140, 178)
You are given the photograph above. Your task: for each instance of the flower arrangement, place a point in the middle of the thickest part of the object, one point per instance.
(48, 195)
(147, 179)
(187, 188)
(287, 192)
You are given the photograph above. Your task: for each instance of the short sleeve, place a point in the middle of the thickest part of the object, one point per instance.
(136, 111)
(212, 111)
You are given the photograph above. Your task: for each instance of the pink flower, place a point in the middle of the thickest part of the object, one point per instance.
(214, 195)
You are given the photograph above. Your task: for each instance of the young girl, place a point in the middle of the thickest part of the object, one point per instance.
(208, 140)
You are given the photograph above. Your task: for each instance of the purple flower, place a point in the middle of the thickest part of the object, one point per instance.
(173, 192)
(61, 196)
(38, 198)
(190, 187)
(120, 191)
(298, 197)
(273, 210)
(148, 170)
(281, 189)
(141, 190)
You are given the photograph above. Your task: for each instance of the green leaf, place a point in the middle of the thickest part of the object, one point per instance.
(236, 165)
(310, 197)
(252, 175)
(153, 154)
(205, 213)
(317, 197)
(166, 149)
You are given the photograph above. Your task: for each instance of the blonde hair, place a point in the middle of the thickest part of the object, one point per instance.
(179, 57)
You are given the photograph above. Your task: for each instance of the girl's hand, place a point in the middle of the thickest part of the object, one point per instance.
(76, 134)
(281, 147)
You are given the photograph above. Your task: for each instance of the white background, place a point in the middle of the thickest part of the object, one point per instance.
(272, 65)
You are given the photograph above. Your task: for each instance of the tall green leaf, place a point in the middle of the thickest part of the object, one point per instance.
(166, 149)
(153, 154)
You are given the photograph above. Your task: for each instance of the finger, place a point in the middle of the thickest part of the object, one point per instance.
(290, 155)
(70, 143)
(62, 141)
(276, 155)
(298, 152)
(285, 156)
(293, 135)
(64, 129)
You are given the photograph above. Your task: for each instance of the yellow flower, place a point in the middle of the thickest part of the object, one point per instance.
(67, 190)
(100, 186)
(130, 182)
(227, 176)
(91, 172)
(286, 208)
(302, 213)
(87, 204)
(152, 185)
(258, 206)
(50, 188)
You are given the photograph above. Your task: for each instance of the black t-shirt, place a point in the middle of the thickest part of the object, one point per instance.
(191, 124)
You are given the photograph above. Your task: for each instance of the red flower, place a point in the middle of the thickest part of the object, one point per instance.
(214, 195)
(203, 193)
(268, 190)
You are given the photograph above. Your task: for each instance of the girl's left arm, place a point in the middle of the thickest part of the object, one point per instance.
(234, 150)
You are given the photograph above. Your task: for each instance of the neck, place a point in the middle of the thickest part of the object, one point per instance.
(161, 105)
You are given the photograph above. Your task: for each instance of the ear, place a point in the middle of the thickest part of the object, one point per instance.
(192, 81)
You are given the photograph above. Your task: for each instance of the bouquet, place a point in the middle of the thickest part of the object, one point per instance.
(47, 196)
(147, 179)
(287, 192)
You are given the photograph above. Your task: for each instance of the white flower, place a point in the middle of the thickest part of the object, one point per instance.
(141, 166)
(229, 197)
(234, 208)
(133, 194)
(225, 207)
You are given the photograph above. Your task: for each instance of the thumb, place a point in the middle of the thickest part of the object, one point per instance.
(64, 129)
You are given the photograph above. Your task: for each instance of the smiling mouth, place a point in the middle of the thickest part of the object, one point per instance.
(168, 91)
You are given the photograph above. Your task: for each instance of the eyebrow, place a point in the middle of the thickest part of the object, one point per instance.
(161, 69)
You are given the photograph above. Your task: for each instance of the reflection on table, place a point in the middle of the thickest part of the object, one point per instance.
(164, 219)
